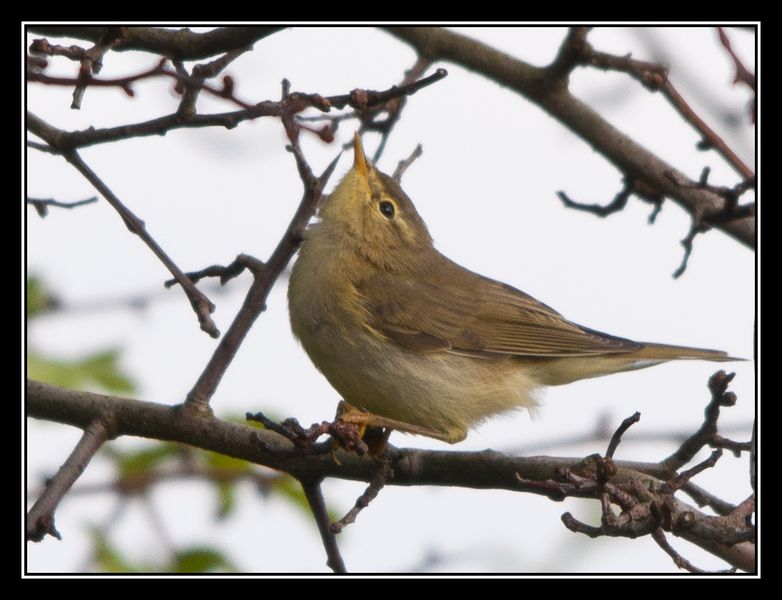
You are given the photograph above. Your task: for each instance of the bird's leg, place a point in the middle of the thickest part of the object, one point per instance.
(365, 420)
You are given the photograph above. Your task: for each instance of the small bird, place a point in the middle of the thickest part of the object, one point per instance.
(413, 341)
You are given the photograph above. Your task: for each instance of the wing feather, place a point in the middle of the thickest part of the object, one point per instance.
(451, 309)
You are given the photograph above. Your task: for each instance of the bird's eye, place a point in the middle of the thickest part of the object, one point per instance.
(387, 208)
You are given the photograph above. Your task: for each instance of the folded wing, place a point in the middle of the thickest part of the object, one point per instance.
(455, 310)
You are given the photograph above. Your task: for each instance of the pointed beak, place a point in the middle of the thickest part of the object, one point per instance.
(359, 160)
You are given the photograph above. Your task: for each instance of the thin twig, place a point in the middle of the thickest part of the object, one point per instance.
(92, 61)
(658, 535)
(384, 473)
(42, 205)
(41, 147)
(255, 301)
(42, 46)
(292, 104)
(553, 96)
(743, 74)
(631, 187)
(202, 306)
(617, 204)
(655, 77)
(176, 44)
(85, 79)
(730, 211)
(137, 301)
(617, 437)
(225, 273)
(695, 229)
(135, 483)
(158, 525)
(394, 106)
(315, 499)
(193, 83)
(40, 518)
(679, 480)
(405, 164)
(704, 498)
(476, 470)
(361, 99)
(718, 385)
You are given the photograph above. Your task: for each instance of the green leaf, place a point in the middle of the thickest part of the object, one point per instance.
(106, 372)
(38, 298)
(221, 461)
(200, 560)
(226, 499)
(100, 369)
(195, 559)
(106, 558)
(226, 490)
(143, 460)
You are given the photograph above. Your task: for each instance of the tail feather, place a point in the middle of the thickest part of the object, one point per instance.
(560, 371)
(666, 352)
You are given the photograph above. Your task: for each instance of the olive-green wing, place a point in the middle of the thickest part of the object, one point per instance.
(448, 308)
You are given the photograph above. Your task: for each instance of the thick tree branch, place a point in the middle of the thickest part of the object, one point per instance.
(480, 470)
(548, 89)
(180, 44)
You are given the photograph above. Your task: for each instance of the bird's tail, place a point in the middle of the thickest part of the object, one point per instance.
(660, 352)
(567, 370)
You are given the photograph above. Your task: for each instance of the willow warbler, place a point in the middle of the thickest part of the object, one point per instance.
(420, 344)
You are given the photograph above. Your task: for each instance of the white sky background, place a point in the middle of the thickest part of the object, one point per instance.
(485, 186)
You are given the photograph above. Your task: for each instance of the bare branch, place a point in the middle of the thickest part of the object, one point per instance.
(695, 229)
(40, 518)
(42, 205)
(540, 86)
(139, 482)
(482, 470)
(254, 303)
(706, 434)
(384, 473)
(92, 61)
(202, 306)
(655, 77)
(180, 44)
(617, 204)
(405, 164)
(315, 499)
(186, 116)
(42, 46)
(343, 435)
(659, 536)
(85, 79)
(743, 74)
(617, 437)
